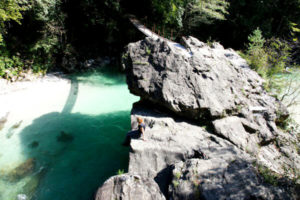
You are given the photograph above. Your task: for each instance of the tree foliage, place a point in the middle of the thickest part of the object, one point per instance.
(256, 41)
(48, 33)
(168, 12)
(256, 54)
(268, 57)
(205, 12)
(272, 16)
(11, 10)
(188, 13)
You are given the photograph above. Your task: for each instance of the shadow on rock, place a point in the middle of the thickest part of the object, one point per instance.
(212, 179)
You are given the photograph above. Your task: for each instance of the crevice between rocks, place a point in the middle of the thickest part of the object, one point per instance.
(164, 179)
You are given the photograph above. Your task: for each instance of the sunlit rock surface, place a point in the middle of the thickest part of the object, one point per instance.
(215, 179)
(128, 187)
(210, 107)
(171, 141)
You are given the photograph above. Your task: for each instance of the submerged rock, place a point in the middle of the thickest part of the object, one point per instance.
(11, 130)
(31, 185)
(3, 120)
(17, 125)
(64, 137)
(34, 144)
(21, 170)
(129, 187)
(10, 133)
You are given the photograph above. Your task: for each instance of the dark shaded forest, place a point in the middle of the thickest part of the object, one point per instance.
(58, 35)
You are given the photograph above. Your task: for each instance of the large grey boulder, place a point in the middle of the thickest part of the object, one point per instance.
(209, 85)
(206, 111)
(212, 83)
(129, 187)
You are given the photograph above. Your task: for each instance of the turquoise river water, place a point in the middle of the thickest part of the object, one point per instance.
(63, 140)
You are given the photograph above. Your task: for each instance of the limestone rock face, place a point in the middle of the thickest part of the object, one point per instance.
(211, 85)
(208, 120)
(170, 140)
(190, 162)
(129, 187)
(214, 179)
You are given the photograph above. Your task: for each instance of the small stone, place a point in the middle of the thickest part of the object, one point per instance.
(34, 144)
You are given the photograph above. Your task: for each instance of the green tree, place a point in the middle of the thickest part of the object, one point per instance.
(205, 12)
(168, 12)
(279, 55)
(185, 16)
(272, 16)
(10, 10)
(52, 28)
(295, 44)
(256, 40)
(256, 54)
(268, 57)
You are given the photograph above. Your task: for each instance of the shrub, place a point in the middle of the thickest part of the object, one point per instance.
(175, 183)
(268, 175)
(177, 175)
(148, 51)
(120, 171)
(256, 54)
(256, 40)
(268, 58)
(11, 66)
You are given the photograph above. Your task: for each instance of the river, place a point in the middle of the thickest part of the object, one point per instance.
(63, 136)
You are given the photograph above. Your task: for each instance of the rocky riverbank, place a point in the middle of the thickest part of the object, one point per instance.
(211, 127)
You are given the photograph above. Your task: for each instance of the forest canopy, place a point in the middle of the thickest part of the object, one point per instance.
(43, 35)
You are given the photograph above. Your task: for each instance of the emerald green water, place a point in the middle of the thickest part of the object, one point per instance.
(73, 137)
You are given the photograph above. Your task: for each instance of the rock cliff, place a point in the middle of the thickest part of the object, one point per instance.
(127, 187)
(211, 127)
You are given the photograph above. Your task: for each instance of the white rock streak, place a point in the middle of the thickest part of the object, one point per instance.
(175, 46)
